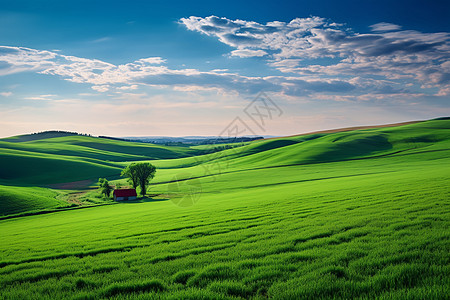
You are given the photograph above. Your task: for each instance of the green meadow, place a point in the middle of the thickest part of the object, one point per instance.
(360, 214)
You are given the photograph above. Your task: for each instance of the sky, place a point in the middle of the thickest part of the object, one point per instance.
(191, 68)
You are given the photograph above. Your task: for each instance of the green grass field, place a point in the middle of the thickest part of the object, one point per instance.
(32, 164)
(360, 214)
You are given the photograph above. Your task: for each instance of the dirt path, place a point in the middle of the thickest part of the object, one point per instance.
(75, 198)
(74, 185)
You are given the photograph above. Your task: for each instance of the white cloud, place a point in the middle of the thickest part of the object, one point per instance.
(19, 59)
(102, 40)
(384, 62)
(128, 87)
(6, 94)
(152, 60)
(41, 97)
(101, 88)
(385, 27)
(390, 52)
(106, 77)
(248, 53)
(315, 38)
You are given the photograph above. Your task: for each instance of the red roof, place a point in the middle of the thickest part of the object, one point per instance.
(125, 193)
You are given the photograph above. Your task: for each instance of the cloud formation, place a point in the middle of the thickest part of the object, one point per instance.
(319, 59)
(389, 52)
(105, 77)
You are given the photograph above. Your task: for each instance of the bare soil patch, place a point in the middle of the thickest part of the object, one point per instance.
(74, 185)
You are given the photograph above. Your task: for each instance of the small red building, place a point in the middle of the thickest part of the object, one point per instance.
(124, 194)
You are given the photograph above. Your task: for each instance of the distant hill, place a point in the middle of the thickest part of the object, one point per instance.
(56, 157)
(162, 140)
(193, 140)
(337, 145)
(43, 135)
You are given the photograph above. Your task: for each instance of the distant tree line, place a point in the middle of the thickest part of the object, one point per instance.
(229, 140)
(62, 132)
(193, 142)
(221, 148)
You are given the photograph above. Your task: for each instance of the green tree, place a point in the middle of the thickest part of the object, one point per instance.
(104, 187)
(139, 174)
(132, 175)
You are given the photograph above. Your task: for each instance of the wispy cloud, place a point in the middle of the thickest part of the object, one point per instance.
(248, 53)
(42, 97)
(19, 59)
(101, 88)
(149, 71)
(385, 27)
(102, 40)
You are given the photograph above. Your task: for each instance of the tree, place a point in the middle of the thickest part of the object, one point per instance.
(104, 187)
(131, 173)
(139, 174)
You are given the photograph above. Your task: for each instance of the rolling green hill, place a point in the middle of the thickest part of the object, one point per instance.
(48, 159)
(96, 148)
(357, 214)
(430, 137)
(19, 199)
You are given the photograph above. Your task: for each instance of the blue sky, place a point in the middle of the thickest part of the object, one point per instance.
(192, 67)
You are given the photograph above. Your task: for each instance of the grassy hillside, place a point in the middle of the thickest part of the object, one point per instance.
(96, 148)
(360, 214)
(48, 159)
(44, 169)
(19, 199)
(431, 137)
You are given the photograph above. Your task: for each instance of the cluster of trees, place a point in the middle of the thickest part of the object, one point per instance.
(104, 187)
(138, 174)
(192, 141)
(224, 147)
(60, 132)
